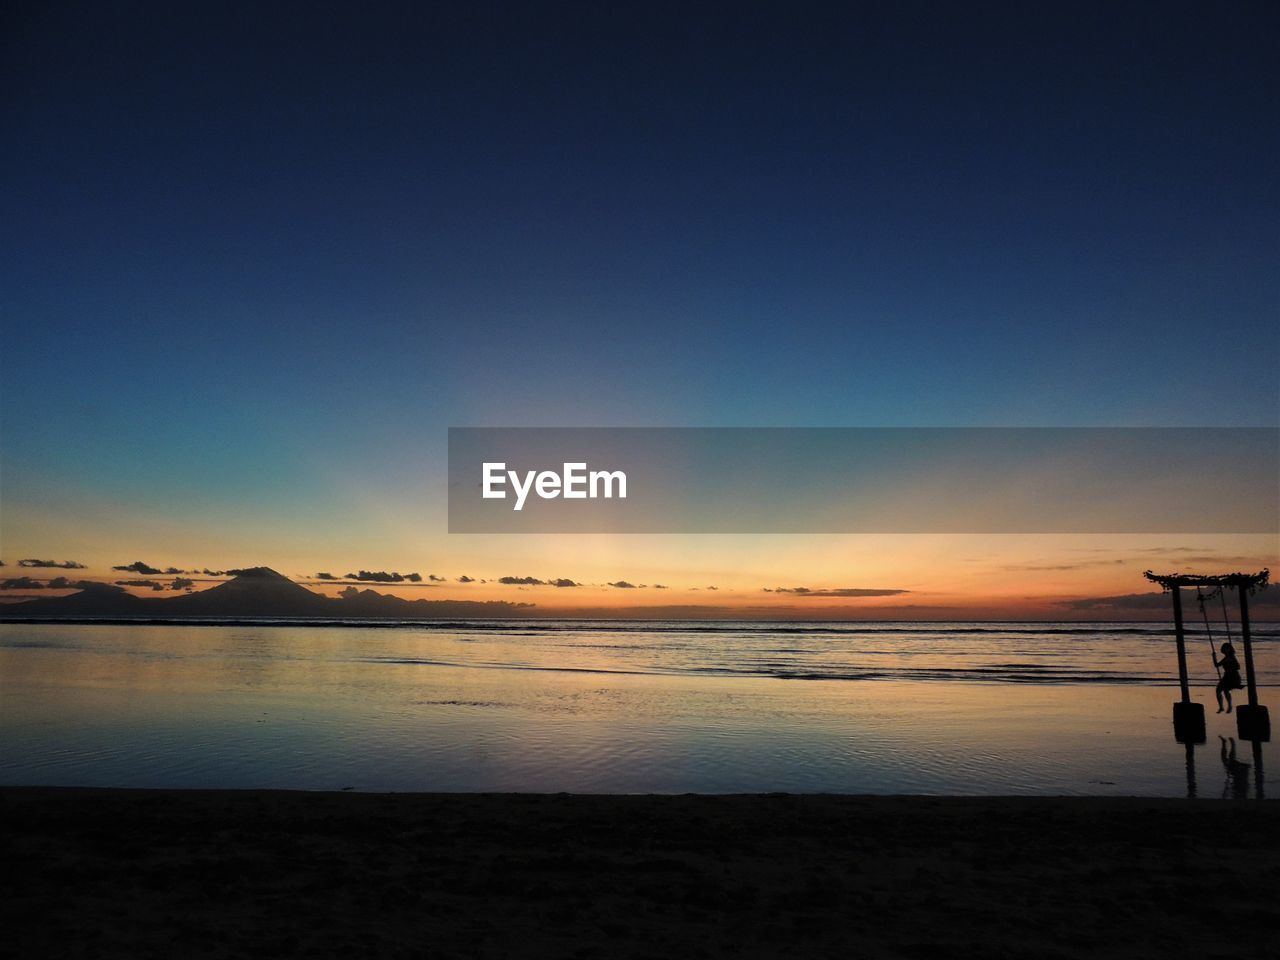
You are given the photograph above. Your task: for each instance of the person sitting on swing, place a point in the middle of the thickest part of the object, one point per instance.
(1230, 679)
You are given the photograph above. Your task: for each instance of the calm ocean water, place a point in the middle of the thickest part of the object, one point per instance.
(1060, 708)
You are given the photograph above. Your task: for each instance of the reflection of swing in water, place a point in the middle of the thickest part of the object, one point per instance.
(1237, 782)
(1228, 668)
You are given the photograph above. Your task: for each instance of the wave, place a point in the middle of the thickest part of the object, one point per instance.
(999, 673)
(534, 627)
(998, 652)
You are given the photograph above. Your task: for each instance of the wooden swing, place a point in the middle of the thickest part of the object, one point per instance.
(1252, 720)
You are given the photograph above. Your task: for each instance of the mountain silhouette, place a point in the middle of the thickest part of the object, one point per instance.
(253, 593)
(93, 600)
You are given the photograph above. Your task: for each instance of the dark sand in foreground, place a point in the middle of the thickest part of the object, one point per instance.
(166, 873)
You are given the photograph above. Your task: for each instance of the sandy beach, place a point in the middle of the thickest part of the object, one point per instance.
(138, 873)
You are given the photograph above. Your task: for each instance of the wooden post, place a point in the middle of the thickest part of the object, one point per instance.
(1253, 722)
(1188, 717)
(1180, 637)
(1248, 646)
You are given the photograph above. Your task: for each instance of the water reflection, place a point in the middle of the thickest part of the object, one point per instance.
(1236, 781)
(1237, 775)
(394, 710)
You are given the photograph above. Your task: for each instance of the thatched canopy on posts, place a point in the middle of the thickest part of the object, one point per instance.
(1252, 720)
(1250, 581)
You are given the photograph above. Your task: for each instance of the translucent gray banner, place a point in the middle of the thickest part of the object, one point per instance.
(864, 480)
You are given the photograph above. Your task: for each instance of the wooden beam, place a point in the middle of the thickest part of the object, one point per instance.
(1238, 580)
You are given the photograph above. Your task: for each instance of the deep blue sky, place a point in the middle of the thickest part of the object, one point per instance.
(241, 247)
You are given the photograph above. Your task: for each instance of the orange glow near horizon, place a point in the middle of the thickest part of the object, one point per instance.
(927, 577)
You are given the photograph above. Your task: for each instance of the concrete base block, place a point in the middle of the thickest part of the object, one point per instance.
(1253, 723)
(1188, 722)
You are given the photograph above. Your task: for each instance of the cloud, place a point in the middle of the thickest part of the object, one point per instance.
(213, 573)
(63, 583)
(1128, 601)
(1222, 560)
(465, 579)
(382, 576)
(623, 585)
(51, 564)
(378, 576)
(1161, 601)
(178, 583)
(713, 588)
(172, 570)
(836, 591)
(21, 583)
(529, 582)
(661, 586)
(434, 579)
(1060, 567)
(57, 583)
(138, 566)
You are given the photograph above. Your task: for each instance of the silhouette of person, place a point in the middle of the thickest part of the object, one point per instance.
(1237, 773)
(1230, 679)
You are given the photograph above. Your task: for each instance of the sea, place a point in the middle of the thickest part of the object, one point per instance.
(623, 707)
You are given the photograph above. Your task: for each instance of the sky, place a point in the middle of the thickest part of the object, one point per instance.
(258, 261)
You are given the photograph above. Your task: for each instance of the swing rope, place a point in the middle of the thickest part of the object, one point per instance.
(1222, 595)
(1213, 653)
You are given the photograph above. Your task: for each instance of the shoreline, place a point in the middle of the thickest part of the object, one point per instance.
(399, 621)
(144, 872)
